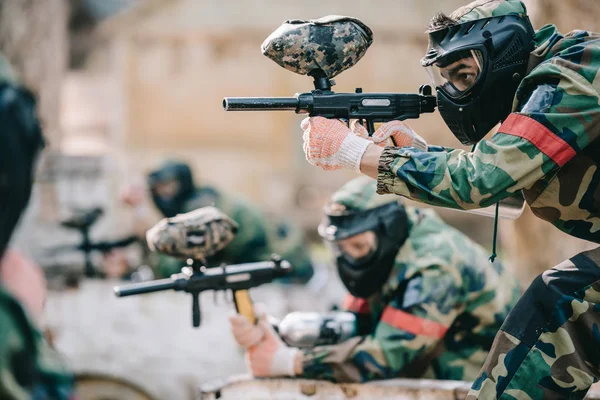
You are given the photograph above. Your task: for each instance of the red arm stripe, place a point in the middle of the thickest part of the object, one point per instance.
(541, 137)
(411, 323)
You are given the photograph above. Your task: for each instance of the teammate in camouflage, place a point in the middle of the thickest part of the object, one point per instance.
(304, 46)
(29, 368)
(433, 313)
(546, 146)
(173, 191)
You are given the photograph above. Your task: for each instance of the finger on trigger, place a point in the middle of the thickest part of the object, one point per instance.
(358, 128)
(305, 124)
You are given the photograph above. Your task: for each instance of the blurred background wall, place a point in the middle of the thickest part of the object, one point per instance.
(124, 84)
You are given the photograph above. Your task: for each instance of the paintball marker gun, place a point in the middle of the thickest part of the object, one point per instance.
(322, 49)
(82, 221)
(198, 236)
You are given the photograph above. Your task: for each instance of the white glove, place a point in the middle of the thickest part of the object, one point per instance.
(331, 145)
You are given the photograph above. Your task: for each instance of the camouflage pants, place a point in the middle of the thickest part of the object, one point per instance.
(549, 345)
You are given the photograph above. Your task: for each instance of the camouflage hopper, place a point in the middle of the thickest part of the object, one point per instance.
(332, 44)
(198, 234)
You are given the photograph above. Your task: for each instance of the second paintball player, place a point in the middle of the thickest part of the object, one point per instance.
(173, 192)
(427, 301)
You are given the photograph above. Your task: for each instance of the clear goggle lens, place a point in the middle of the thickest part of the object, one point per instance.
(355, 248)
(457, 72)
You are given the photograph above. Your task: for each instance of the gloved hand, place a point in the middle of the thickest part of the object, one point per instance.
(331, 145)
(267, 355)
(245, 333)
(400, 134)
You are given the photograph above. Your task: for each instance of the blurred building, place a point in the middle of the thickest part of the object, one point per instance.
(147, 79)
(172, 62)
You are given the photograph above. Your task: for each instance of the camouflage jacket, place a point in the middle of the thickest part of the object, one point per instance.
(29, 368)
(547, 147)
(435, 317)
(256, 238)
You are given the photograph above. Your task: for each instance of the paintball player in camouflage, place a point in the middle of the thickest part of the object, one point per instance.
(173, 192)
(427, 301)
(29, 368)
(489, 66)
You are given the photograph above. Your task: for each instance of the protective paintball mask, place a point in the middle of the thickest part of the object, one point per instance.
(366, 275)
(176, 173)
(22, 139)
(476, 68)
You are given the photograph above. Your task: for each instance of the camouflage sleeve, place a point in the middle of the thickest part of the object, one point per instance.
(29, 368)
(559, 117)
(11, 343)
(167, 265)
(409, 329)
(251, 242)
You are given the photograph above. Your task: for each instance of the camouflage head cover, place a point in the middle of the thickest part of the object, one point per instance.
(360, 194)
(353, 209)
(332, 44)
(480, 9)
(199, 234)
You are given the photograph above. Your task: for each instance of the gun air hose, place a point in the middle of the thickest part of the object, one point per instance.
(495, 237)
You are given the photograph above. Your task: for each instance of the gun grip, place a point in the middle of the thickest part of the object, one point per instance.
(243, 305)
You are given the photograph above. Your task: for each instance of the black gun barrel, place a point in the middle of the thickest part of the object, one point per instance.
(260, 103)
(145, 287)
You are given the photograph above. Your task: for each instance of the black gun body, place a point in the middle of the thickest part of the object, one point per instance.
(145, 287)
(196, 279)
(234, 277)
(375, 107)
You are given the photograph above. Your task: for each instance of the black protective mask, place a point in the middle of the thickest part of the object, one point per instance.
(22, 140)
(173, 170)
(168, 207)
(505, 44)
(365, 276)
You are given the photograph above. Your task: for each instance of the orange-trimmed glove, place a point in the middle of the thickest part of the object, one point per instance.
(331, 145)
(266, 355)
